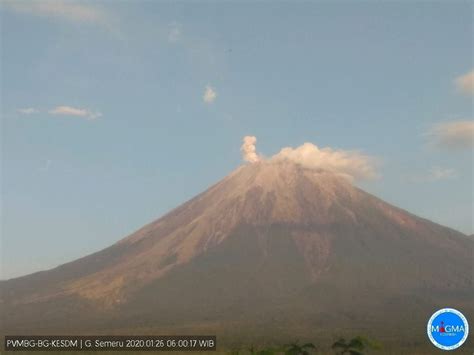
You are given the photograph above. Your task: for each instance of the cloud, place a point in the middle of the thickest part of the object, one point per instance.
(210, 95)
(435, 174)
(46, 165)
(248, 149)
(465, 83)
(174, 33)
(350, 164)
(72, 111)
(452, 135)
(27, 110)
(66, 10)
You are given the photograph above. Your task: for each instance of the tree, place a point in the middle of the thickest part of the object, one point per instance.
(355, 346)
(296, 349)
(268, 351)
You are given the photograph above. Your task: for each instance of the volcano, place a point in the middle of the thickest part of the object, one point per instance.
(272, 250)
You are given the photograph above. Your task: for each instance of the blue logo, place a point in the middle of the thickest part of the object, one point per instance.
(448, 329)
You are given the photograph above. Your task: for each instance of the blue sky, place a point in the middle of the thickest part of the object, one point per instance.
(106, 124)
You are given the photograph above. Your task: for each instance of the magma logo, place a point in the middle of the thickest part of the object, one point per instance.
(448, 329)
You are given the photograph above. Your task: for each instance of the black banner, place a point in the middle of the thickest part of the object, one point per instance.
(110, 343)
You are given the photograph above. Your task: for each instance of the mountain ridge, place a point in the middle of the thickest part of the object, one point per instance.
(269, 241)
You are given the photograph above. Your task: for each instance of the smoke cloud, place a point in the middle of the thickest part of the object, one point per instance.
(248, 149)
(350, 164)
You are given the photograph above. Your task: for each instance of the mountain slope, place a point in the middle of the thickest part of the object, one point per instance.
(270, 244)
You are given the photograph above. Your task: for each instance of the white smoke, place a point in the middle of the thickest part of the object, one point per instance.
(249, 153)
(350, 164)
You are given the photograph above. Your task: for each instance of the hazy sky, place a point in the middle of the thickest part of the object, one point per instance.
(115, 112)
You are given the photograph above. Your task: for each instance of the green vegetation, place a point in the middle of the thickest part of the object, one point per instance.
(356, 346)
(296, 349)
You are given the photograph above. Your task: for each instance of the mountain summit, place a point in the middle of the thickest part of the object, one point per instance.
(271, 245)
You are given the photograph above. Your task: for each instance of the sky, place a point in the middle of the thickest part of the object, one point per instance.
(113, 113)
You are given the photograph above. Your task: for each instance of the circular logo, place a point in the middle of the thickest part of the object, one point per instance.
(448, 329)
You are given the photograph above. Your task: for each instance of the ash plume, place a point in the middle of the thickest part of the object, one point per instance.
(350, 164)
(248, 149)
